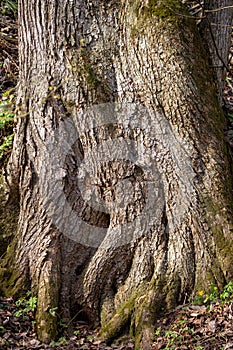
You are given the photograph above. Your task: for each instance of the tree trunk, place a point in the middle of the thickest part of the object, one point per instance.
(120, 163)
(217, 32)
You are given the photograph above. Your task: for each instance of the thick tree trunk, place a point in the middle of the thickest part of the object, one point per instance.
(121, 90)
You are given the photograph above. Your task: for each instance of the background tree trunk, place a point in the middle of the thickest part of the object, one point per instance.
(78, 54)
(217, 32)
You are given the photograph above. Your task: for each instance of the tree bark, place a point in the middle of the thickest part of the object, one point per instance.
(146, 59)
(217, 32)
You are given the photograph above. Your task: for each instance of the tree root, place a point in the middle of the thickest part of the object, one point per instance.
(140, 313)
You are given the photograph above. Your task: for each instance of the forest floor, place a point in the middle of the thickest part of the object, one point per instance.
(190, 327)
(208, 326)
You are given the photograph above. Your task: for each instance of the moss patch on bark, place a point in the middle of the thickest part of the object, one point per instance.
(167, 10)
(9, 213)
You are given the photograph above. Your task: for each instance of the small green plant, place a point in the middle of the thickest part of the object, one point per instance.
(172, 337)
(227, 295)
(6, 145)
(230, 116)
(191, 330)
(6, 114)
(61, 341)
(90, 338)
(5, 118)
(6, 125)
(199, 298)
(18, 313)
(8, 7)
(5, 342)
(203, 298)
(213, 295)
(62, 323)
(2, 329)
(33, 324)
(53, 311)
(182, 323)
(77, 332)
(26, 305)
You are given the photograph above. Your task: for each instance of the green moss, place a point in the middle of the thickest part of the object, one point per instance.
(166, 8)
(9, 212)
(164, 15)
(148, 308)
(85, 70)
(115, 326)
(47, 328)
(144, 318)
(47, 321)
(141, 310)
(82, 67)
(220, 223)
(171, 10)
(217, 216)
(8, 224)
(91, 76)
(172, 290)
(107, 310)
(7, 124)
(13, 283)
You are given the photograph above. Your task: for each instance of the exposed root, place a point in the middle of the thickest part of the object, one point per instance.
(47, 300)
(118, 322)
(139, 314)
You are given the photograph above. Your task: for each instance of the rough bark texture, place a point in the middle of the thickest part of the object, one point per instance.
(75, 54)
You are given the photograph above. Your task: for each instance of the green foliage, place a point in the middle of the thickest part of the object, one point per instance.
(6, 125)
(5, 342)
(230, 116)
(90, 338)
(2, 329)
(53, 311)
(6, 145)
(61, 341)
(62, 323)
(176, 336)
(185, 330)
(5, 119)
(26, 305)
(214, 295)
(7, 110)
(8, 7)
(172, 337)
(227, 295)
